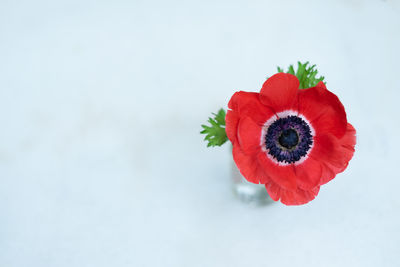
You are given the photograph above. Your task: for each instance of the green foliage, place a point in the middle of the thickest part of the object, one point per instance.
(215, 132)
(307, 75)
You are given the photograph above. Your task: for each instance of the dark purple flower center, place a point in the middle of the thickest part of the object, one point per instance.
(288, 139)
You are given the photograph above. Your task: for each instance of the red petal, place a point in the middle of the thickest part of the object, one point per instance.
(349, 139)
(291, 197)
(231, 125)
(328, 173)
(308, 173)
(248, 104)
(241, 97)
(344, 150)
(279, 91)
(334, 153)
(249, 167)
(321, 85)
(249, 134)
(284, 176)
(326, 149)
(323, 109)
(274, 190)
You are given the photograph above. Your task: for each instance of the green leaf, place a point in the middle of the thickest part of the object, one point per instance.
(220, 117)
(306, 74)
(215, 132)
(291, 70)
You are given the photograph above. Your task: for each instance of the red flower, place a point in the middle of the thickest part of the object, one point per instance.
(291, 140)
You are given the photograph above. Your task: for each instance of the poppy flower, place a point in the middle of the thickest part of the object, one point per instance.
(289, 139)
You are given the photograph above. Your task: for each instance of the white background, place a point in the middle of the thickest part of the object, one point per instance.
(101, 161)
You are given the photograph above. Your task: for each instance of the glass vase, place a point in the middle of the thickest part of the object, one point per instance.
(247, 192)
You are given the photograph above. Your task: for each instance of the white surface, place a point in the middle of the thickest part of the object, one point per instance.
(101, 163)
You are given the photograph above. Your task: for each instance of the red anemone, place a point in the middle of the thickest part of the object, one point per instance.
(289, 139)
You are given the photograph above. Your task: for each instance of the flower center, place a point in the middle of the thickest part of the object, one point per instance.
(288, 139)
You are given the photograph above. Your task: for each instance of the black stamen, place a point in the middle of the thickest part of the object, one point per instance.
(288, 139)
